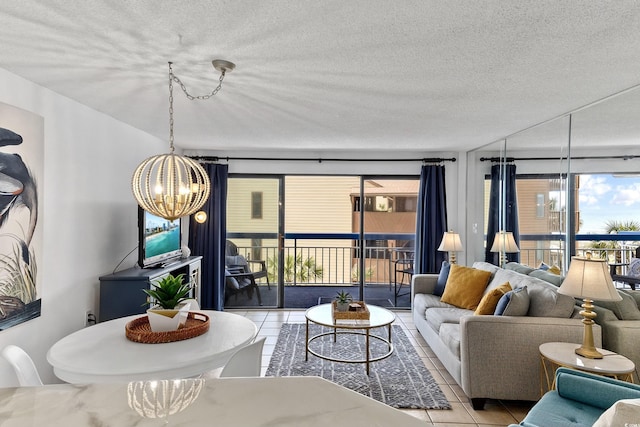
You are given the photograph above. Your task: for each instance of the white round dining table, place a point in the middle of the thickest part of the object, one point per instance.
(102, 353)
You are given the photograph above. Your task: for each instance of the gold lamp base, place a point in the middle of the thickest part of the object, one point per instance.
(588, 349)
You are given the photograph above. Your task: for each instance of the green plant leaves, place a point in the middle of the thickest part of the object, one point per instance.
(169, 291)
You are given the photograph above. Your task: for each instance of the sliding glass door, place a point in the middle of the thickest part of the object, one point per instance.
(314, 242)
(254, 224)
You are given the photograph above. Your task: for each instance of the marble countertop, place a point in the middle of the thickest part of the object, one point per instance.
(246, 402)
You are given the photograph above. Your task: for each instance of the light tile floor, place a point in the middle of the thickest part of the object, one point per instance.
(496, 413)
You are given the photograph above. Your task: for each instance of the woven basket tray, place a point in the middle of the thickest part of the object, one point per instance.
(362, 314)
(139, 330)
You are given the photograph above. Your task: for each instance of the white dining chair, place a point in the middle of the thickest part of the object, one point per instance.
(22, 364)
(194, 305)
(245, 362)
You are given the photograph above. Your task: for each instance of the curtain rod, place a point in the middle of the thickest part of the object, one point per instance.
(513, 159)
(320, 160)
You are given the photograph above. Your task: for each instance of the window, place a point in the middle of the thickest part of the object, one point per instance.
(540, 205)
(256, 205)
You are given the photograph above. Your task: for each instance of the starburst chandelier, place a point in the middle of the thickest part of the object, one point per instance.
(170, 185)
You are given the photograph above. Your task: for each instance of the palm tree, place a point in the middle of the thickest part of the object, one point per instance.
(613, 227)
(305, 270)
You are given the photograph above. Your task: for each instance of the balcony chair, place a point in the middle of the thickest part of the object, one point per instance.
(237, 281)
(25, 369)
(234, 259)
(630, 280)
(403, 260)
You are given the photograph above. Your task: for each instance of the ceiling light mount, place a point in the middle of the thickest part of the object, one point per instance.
(223, 66)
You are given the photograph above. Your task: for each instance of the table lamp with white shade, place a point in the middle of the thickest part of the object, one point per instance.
(588, 278)
(504, 243)
(451, 243)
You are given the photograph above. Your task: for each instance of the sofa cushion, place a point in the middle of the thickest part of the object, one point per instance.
(450, 335)
(627, 309)
(635, 294)
(520, 268)
(442, 278)
(513, 303)
(486, 266)
(465, 286)
(438, 316)
(490, 299)
(545, 301)
(421, 302)
(547, 276)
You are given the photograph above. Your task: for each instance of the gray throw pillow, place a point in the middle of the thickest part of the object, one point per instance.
(627, 309)
(513, 303)
(554, 279)
(442, 278)
(518, 268)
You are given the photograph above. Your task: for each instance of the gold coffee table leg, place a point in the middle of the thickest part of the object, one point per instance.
(366, 348)
(306, 345)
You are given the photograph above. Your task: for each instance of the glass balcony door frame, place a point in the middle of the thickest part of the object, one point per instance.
(281, 234)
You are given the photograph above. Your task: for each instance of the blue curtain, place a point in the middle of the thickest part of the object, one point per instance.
(503, 181)
(431, 219)
(208, 239)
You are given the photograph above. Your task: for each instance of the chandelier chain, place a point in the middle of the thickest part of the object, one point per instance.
(200, 97)
(171, 147)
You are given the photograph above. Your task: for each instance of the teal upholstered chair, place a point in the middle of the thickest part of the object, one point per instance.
(578, 400)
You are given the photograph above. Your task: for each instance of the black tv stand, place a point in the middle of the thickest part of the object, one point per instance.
(121, 293)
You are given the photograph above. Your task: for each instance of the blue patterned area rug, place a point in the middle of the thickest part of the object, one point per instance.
(400, 381)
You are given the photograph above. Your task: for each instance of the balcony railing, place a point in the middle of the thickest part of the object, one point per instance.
(333, 259)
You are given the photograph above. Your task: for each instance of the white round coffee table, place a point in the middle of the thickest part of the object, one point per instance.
(556, 354)
(379, 317)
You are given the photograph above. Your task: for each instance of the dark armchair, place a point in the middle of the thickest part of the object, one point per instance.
(238, 281)
(258, 268)
(630, 279)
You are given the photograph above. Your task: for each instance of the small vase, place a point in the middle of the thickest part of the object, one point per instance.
(342, 306)
(166, 320)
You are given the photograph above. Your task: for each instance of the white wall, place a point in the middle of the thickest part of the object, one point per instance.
(88, 212)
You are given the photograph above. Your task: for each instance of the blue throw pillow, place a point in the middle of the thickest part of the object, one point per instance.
(513, 303)
(442, 278)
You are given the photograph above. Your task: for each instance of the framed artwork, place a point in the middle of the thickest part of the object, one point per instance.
(21, 172)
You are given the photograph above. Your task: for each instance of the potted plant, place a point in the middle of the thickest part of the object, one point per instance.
(342, 301)
(169, 311)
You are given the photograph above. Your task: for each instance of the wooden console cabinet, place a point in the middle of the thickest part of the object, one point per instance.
(121, 293)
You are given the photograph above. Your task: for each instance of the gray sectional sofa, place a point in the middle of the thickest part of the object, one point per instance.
(620, 322)
(496, 356)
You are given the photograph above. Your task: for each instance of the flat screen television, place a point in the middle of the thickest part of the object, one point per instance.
(159, 239)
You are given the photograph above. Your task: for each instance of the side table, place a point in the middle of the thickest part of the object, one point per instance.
(556, 354)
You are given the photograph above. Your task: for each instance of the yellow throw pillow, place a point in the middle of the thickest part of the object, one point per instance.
(465, 286)
(555, 270)
(490, 300)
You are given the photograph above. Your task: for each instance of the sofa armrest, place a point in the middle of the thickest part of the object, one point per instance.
(593, 390)
(623, 337)
(423, 284)
(500, 353)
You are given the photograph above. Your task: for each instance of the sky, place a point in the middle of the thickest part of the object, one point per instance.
(608, 198)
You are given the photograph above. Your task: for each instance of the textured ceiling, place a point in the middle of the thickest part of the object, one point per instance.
(328, 75)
